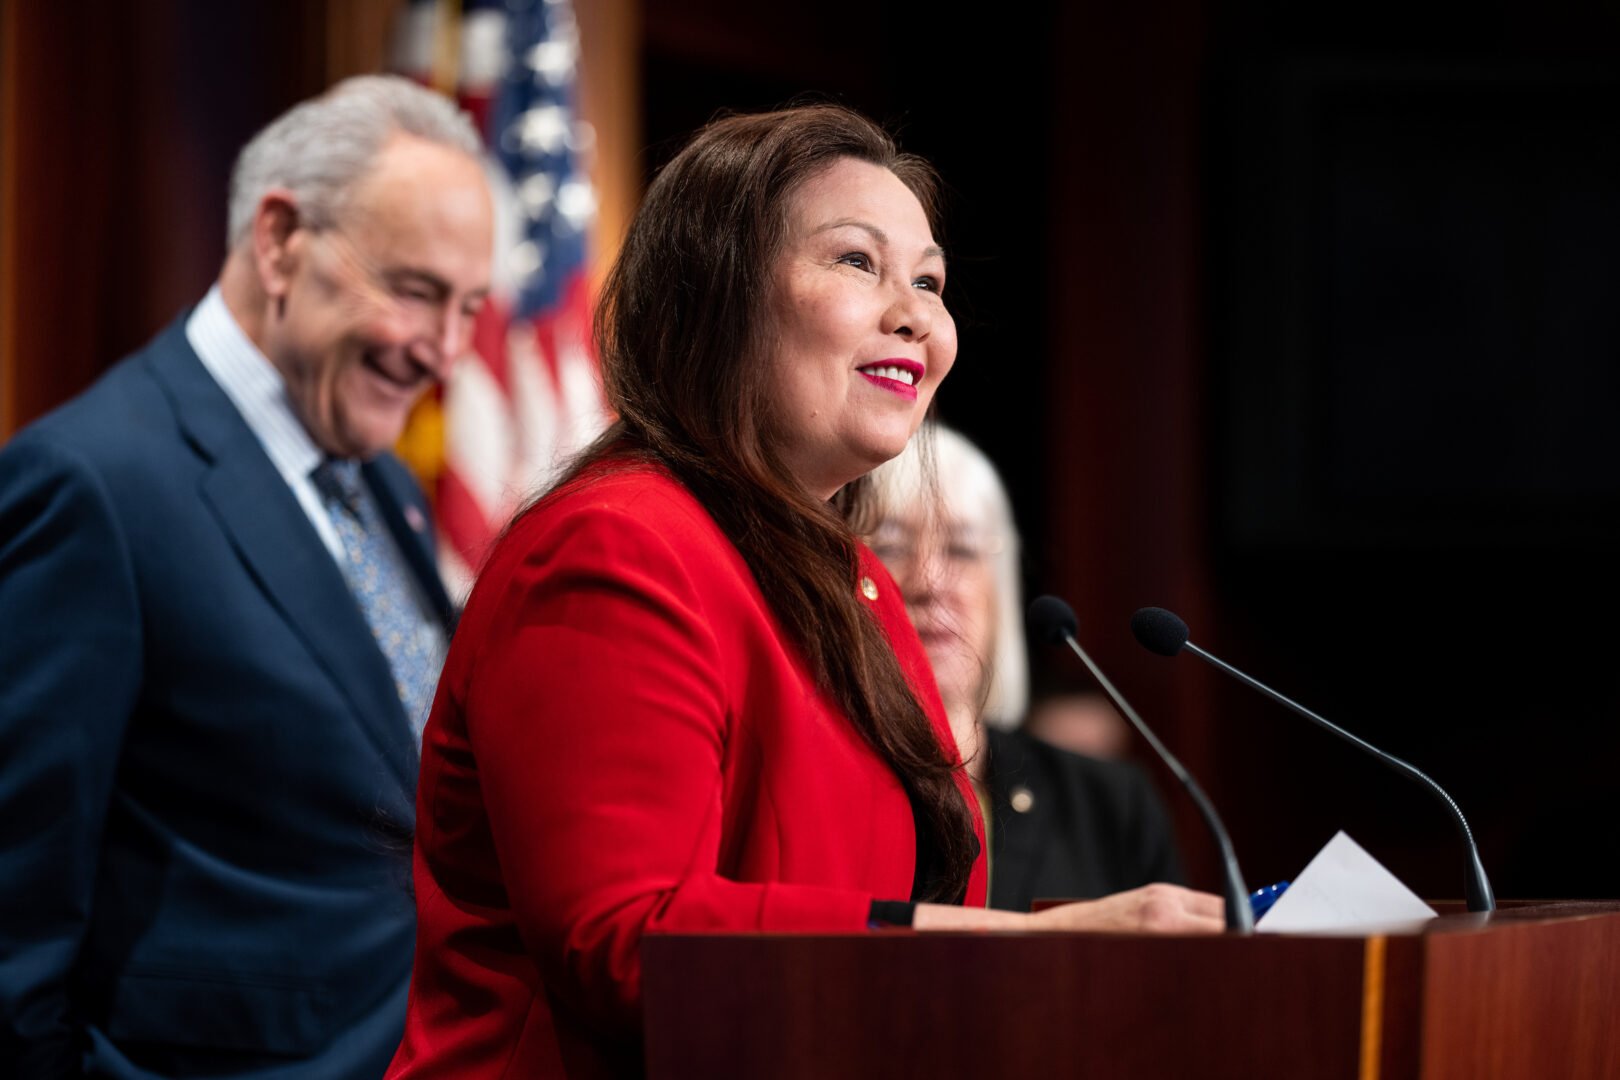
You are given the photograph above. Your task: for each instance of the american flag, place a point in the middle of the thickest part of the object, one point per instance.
(514, 410)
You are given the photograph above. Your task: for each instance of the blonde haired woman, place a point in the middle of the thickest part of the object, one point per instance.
(1061, 825)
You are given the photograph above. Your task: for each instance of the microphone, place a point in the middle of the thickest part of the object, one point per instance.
(1053, 622)
(1165, 633)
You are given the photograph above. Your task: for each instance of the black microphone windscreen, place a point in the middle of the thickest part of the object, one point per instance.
(1051, 620)
(1159, 630)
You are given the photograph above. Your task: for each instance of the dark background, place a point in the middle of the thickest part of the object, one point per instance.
(1300, 320)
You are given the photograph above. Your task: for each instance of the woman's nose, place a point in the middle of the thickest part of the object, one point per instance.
(908, 315)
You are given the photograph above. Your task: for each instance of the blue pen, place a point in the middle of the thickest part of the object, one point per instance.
(1260, 900)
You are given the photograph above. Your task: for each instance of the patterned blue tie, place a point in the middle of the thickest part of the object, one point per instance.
(381, 587)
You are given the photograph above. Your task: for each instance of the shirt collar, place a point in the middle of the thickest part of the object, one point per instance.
(254, 386)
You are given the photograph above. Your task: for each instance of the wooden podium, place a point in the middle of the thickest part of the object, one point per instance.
(1531, 991)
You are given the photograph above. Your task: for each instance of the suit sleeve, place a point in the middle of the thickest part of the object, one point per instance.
(599, 716)
(70, 671)
(1155, 839)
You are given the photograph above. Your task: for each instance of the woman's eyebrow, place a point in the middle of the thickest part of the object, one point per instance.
(931, 251)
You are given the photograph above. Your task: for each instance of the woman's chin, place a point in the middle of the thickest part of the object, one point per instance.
(957, 692)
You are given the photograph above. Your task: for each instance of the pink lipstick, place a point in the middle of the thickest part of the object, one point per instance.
(896, 375)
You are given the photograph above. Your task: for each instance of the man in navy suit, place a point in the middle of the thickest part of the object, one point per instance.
(220, 623)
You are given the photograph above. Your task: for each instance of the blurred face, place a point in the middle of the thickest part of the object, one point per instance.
(369, 313)
(946, 571)
(862, 337)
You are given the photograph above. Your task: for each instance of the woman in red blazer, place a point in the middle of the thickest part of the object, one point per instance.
(683, 696)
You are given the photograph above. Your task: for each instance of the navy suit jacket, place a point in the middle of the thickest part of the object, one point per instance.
(207, 781)
(1071, 827)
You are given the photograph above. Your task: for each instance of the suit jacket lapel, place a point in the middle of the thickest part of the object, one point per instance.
(1022, 835)
(406, 518)
(282, 551)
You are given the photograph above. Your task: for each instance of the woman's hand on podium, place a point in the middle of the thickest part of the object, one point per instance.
(1151, 909)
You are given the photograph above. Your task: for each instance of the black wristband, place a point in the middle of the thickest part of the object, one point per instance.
(890, 913)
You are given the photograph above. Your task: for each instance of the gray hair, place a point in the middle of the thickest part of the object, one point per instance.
(320, 147)
(969, 491)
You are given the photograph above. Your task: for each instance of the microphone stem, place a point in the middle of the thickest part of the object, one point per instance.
(1478, 887)
(1239, 915)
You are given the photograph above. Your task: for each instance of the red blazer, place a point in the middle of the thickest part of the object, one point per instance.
(624, 743)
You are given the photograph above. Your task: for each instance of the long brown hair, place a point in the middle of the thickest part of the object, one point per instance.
(681, 331)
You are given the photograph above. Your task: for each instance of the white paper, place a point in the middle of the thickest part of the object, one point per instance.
(1344, 889)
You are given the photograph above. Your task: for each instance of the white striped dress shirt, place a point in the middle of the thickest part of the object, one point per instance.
(259, 393)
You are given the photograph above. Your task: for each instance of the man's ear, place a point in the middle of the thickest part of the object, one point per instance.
(278, 241)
